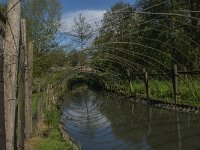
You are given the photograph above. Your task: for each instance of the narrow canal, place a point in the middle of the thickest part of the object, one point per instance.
(103, 121)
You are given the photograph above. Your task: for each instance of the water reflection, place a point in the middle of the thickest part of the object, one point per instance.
(105, 122)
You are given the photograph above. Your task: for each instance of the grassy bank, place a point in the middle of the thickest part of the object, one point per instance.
(46, 119)
(53, 139)
(188, 90)
(49, 137)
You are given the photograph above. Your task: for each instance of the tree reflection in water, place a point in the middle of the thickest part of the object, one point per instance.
(106, 121)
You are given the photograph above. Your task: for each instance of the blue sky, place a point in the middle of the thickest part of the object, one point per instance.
(76, 5)
(91, 9)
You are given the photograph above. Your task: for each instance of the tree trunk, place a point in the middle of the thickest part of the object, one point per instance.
(10, 68)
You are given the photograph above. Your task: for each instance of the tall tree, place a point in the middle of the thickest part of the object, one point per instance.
(43, 22)
(81, 31)
(154, 34)
(117, 24)
(82, 34)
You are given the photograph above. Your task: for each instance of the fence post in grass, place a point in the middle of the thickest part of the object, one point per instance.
(10, 69)
(146, 82)
(21, 89)
(28, 88)
(129, 80)
(175, 83)
(2, 115)
(186, 76)
(185, 69)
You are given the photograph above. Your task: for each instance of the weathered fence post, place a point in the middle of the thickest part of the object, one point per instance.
(186, 76)
(129, 80)
(10, 69)
(175, 83)
(2, 118)
(28, 88)
(185, 69)
(21, 79)
(146, 82)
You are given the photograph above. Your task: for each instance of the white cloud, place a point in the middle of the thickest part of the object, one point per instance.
(91, 16)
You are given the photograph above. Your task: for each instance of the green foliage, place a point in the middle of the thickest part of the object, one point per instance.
(34, 102)
(53, 139)
(52, 117)
(155, 40)
(52, 59)
(153, 35)
(43, 22)
(162, 90)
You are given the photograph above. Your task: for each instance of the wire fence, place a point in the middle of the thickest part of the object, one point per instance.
(176, 85)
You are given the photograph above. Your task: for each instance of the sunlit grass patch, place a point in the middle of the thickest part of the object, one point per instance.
(53, 141)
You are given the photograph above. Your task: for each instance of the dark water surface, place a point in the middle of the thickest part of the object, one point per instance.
(102, 121)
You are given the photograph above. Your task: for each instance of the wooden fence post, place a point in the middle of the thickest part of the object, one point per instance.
(28, 85)
(186, 76)
(129, 80)
(10, 70)
(175, 83)
(185, 69)
(21, 79)
(146, 82)
(2, 118)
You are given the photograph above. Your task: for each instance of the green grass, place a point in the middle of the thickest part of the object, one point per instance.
(52, 117)
(34, 103)
(54, 139)
(38, 99)
(188, 89)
